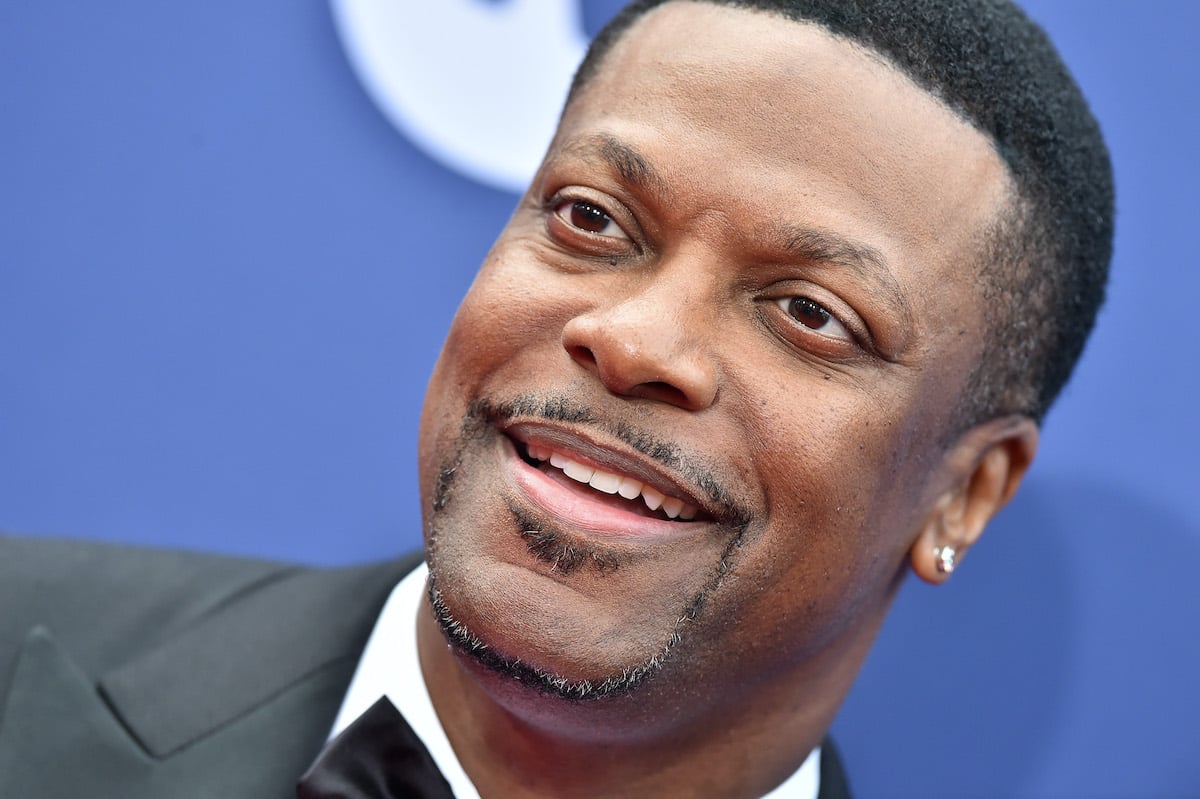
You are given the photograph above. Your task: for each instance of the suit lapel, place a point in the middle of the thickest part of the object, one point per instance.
(244, 654)
(235, 706)
(54, 720)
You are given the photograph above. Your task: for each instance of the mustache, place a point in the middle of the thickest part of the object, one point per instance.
(558, 408)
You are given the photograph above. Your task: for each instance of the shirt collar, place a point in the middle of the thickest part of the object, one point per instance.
(389, 667)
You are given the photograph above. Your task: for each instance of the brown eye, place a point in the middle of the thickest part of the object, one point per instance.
(589, 217)
(808, 313)
(814, 316)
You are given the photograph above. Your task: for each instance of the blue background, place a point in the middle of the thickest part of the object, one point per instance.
(224, 278)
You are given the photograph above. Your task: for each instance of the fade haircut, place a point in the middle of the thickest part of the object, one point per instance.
(1044, 261)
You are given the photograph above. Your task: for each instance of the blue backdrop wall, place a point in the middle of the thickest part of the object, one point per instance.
(232, 236)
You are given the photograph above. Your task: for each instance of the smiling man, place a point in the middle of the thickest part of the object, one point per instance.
(774, 325)
(718, 386)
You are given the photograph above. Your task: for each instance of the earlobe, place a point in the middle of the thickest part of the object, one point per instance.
(986, 466)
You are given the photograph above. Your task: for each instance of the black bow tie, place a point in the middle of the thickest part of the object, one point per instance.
(376, 757)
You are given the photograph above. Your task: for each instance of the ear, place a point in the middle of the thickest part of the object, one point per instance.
(984, 467)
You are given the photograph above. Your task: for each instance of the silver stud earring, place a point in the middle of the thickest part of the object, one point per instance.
(945, 559)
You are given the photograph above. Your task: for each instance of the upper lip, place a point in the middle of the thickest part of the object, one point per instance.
(613, 457)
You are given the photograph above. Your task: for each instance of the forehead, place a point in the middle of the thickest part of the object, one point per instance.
(756, 118)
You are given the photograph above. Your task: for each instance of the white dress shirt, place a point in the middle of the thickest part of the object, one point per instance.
(389, 667)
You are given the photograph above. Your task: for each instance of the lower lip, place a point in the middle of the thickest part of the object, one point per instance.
(572, 508)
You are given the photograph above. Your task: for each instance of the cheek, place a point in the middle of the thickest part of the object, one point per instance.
(505, 339)
(488, 322)
(512, 306)
(841, 519)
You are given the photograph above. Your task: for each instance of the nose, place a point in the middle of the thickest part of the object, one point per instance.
(646, 345)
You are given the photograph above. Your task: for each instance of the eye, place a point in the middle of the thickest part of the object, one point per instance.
(814, 316)
(589, 217)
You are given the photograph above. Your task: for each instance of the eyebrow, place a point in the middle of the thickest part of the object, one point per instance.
(628, 162)
(823, 246)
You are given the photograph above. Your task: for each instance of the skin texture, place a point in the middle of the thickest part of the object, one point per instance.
(639, 310)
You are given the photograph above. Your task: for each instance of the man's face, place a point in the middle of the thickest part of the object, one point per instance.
(742, 279)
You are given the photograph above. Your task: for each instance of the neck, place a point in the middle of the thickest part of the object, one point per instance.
(515, 742)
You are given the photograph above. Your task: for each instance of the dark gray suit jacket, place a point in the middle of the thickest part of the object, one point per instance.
(132, 673)
(129, 673)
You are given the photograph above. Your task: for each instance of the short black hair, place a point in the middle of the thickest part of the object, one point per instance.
(1044, 264)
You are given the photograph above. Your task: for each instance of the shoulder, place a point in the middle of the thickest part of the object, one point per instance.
(107, 599)
(35, 564)
(72, 586)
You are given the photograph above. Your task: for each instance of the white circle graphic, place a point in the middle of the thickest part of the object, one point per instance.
(476, 85)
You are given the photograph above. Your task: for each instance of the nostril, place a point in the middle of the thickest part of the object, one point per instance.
(583, 356)
(660, 392)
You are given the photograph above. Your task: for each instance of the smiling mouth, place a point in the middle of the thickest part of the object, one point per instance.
(599, 488)
(619, 490)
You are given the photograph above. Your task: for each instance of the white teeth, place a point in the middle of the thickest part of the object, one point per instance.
(671, 506)
(652, 498)
(603, 481)
(629, 488)
(610, 483)
(577, 471)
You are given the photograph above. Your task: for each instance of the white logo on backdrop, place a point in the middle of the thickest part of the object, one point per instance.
(476, 85)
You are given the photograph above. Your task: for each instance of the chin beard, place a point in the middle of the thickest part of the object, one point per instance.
(565, 554)
(542, 680)
(562, 553)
